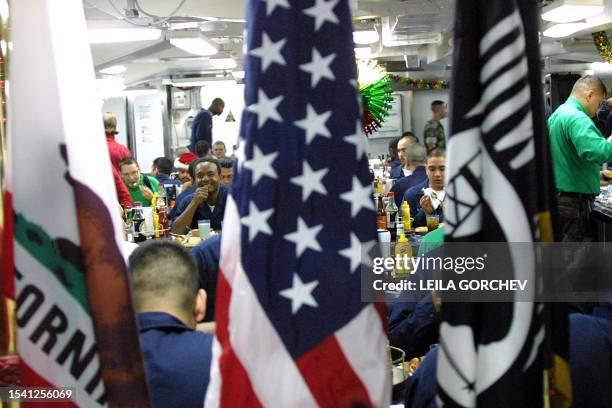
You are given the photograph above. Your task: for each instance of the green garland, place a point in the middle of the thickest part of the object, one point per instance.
(603, 45)
(376, 100)
(420, 83)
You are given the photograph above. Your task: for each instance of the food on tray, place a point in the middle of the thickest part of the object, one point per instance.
(421, 230)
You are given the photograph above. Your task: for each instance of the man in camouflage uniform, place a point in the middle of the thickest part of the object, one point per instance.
(433, 134)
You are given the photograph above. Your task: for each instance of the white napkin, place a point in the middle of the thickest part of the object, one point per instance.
(435, 199)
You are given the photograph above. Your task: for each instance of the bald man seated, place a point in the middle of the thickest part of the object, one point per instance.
(164, 281)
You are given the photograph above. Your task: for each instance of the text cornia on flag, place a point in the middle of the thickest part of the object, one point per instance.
(75, 322)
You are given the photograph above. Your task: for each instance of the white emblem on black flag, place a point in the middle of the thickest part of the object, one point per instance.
(488, 351)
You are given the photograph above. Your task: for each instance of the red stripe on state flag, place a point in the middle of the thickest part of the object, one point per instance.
(7, 279)
(239, 391)
(331, 378)
(109, 294)
(30, 378)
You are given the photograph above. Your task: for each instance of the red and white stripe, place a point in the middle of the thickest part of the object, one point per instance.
(251, 366)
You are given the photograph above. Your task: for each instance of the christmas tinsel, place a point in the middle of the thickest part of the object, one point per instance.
(603, 45)
(420, 83)
(376, 99)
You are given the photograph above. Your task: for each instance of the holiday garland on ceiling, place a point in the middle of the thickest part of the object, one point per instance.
(603, 45)
(420, 83)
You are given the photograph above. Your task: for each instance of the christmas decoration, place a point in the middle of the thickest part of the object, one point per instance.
(603, 45)
(420, 83)
(375, 90)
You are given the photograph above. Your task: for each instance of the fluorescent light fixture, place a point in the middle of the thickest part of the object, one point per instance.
(363, 52)
(139, 92)
(567, 11)
(115, 35)
(238, 74)
(564, 30)
(114, 70)
(223, 63)
(112, 86)
(601, 68)
(365, 36)
(193, 42)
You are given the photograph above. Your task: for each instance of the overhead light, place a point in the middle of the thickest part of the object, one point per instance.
(192, 41)
(201, 81)
(564, 30)
(238, 74)
(115, 35)
(365, 36)
(223, 63)
(566, 11)
(139, 92)
(114, 70)
(363, 52)
(108, 87)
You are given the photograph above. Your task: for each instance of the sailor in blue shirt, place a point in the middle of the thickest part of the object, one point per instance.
(403, 169)
(208, 200)
(162, 167)
(421, 205)
(591, 357)
(201, 128)
(177, 358)
(207, 254)
(414, 157)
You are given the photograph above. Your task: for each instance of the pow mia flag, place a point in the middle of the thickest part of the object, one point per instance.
(499, 189)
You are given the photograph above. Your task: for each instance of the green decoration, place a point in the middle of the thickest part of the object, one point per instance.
(602, 43)
(376, 99)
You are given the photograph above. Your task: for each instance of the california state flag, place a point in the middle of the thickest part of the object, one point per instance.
(75, 321)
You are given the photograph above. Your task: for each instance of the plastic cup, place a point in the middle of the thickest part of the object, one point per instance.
(204, 228)
(433, 222)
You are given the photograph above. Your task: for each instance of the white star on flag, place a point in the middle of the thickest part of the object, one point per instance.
(261, 165)
(358, 139)
(300, 293)
(257, 221)
(310, 181)
(269, 52)
(318, 67)
(272, 4)
(322, 11)
(359, 197)
(240, 152)
(355, 251)
(314, 123)
(265, 108)
(305, 237)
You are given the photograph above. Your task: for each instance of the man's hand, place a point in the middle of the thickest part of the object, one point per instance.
(146, 193)
(201, 194)
(425, 203)
(436, 300)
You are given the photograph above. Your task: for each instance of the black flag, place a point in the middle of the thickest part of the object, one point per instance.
(499, 189)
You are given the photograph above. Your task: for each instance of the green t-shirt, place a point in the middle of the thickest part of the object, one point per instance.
(431, 241)
(578, 149)
(137, 194)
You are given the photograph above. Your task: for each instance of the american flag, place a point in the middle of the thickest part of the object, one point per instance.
(291, 328)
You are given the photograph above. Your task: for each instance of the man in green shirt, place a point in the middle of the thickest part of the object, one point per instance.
(578, 150)
(140, 186)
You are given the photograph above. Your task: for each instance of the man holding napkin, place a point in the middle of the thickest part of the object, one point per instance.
(427, 198)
